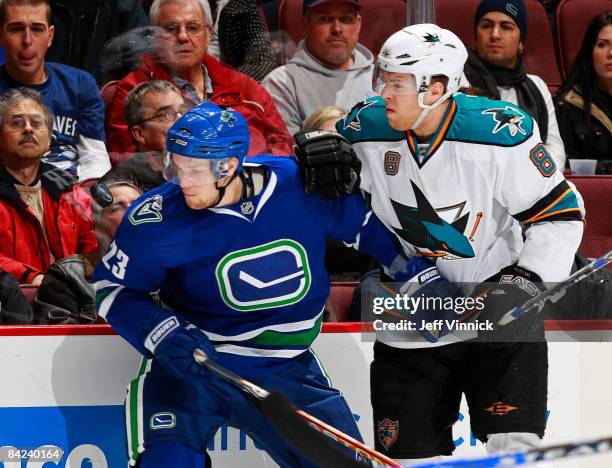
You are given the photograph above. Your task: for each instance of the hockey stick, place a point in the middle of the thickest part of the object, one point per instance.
(544, 296)
(549, 453)
(261, 394)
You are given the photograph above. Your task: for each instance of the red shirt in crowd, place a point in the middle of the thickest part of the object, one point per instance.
(269, 135)
(24, 251)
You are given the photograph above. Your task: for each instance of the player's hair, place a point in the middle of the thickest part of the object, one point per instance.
(318, 117)
(583, 74)
(204, 5)
(14, 96)
(6, 3)
(133, 106)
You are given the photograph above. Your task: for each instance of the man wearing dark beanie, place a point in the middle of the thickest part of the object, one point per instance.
(495, 65)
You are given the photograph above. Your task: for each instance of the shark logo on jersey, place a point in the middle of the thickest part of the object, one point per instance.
(148, 211)
(271, 275)
(423, 228)
(352, 120)
(507, 117)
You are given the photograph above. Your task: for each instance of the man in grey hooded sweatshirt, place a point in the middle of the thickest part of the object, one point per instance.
(329, 67)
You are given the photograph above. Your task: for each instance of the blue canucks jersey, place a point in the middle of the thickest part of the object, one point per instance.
(78, 138)
(251, 275)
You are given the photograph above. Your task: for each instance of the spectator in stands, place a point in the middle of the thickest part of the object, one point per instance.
(83, 27)
(14, 307)
(108, 215)
(71, 94)
(44, 214)
(496, 67)
(239, 37)
(66, 295)
(584, 103)
(329, 67)
(324, 118)
(150, 109)
(199, 76)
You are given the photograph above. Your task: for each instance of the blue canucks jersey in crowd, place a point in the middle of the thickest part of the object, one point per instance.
(78, 138)
(251, 275)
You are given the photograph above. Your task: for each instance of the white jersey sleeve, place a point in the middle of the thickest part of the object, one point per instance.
(535, 193)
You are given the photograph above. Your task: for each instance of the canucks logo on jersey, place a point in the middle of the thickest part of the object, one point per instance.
(423, 228)
(272, 275)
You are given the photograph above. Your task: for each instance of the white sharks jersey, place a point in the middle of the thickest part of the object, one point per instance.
(461, 199)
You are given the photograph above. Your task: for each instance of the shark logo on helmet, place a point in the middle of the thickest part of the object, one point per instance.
(431, 38)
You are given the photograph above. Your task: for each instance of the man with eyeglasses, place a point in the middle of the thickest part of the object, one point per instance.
(182, 58)
(78, 143)
(44, 214)
(150, 110)
(329, 67)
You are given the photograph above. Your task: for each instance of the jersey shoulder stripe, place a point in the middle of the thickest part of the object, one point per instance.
(367, 121)
(485, 121)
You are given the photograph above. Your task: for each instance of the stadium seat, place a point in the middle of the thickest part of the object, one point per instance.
(539, 56)
(573, 18)
(339, 300)
(597, 194)
(380, 18)
(29, 291)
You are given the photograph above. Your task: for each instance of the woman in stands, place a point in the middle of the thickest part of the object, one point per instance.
(584, 105)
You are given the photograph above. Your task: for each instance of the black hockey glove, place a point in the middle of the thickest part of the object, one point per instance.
(510, 288)
(331, 167)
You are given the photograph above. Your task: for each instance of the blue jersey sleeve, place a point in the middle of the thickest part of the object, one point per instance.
(351, 221)
(125, 278)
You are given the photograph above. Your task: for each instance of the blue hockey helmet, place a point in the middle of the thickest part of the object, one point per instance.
(208, 132)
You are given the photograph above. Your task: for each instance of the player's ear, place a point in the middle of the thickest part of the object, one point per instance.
(232, 167)
(436, 90)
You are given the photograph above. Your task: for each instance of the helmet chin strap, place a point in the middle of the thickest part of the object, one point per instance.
(221, 190)
(426, 108)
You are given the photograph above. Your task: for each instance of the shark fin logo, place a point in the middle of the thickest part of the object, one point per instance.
(507, 117)
(432, 38)
(352, 119)
(422, 227)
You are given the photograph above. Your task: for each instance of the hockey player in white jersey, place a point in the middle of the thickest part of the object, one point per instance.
(456, 177)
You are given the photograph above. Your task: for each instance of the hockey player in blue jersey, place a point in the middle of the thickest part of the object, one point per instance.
(235, 250)
(457, 178)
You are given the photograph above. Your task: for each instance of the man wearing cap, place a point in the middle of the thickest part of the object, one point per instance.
(329, 67)
(495, 65)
